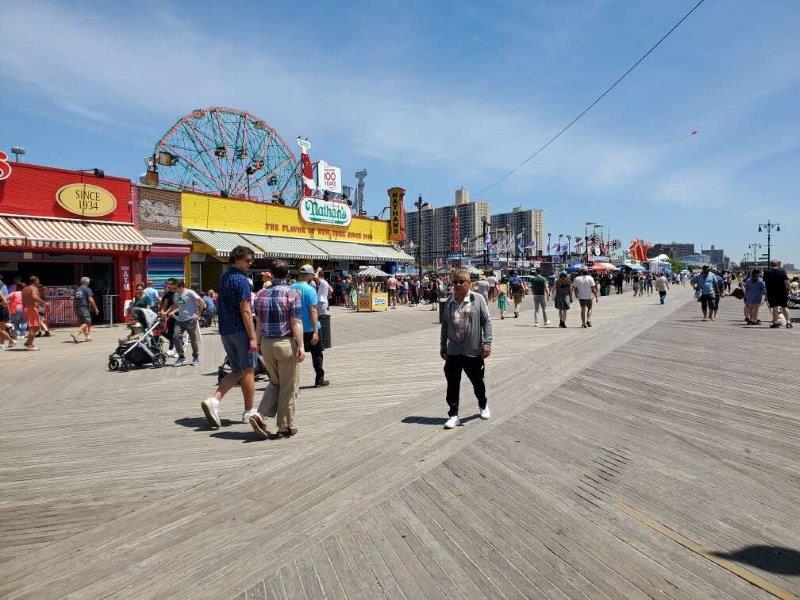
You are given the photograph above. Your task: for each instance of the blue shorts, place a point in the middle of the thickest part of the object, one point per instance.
(237, 347)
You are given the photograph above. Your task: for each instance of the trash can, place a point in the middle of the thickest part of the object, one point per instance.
(325, 331)
(442, 304)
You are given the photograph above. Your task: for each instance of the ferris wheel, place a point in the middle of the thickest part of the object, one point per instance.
(225, 151)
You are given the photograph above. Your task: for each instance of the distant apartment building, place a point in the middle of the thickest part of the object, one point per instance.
(716, 257)
(528, 221)
(437, 229)
(672, 249)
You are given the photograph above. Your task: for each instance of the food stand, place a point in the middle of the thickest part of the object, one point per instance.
(372, 293)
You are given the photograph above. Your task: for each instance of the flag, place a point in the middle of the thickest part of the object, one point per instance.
(487, 239)
(520, 242)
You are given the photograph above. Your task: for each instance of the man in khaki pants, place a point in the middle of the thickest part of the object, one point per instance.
(280, 335)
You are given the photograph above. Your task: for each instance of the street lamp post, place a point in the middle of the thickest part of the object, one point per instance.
(569, 246)
(419, 204)
(485, 245)
(754, 248)
(769, 226)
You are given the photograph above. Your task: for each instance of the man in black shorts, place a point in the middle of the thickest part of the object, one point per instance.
(777, 282)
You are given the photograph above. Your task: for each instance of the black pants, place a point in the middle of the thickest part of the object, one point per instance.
(316, 356)
(473, 366)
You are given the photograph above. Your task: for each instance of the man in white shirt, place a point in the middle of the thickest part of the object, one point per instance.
(585, 287)
(662, 285)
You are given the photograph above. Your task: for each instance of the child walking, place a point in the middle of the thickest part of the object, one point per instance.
(502, 303)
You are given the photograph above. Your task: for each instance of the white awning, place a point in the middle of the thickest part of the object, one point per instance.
(372, 272)
(390, 254)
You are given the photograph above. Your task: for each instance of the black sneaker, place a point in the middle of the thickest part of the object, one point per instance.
(775, 326)
(322, 383)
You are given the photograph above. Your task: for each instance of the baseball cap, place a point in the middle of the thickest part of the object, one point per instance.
(307, 269)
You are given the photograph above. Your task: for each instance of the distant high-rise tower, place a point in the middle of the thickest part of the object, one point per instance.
(529, 222)
(462, 196)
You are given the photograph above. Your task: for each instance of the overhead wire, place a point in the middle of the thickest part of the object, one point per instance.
(598, 99)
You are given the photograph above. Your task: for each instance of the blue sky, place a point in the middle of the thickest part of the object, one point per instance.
(435, 95)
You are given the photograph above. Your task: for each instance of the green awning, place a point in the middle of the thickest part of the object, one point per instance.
(346, 251)
(286, 247)
(223, 241)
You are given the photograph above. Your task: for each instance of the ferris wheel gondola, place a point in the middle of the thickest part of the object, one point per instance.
(226, 152)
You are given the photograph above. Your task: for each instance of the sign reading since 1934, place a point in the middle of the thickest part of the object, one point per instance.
(397, 215)
(86, 200)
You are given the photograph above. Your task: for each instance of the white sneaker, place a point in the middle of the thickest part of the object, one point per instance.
(247, 414)
(210, 407)
(452, 422)
(546, 323)
(485, 414)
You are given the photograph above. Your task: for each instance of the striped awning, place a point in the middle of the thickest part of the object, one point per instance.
(69, 234)
(285, 247)
(346, 251)
(10, 235)
(223, 241)
(372, 272)
(390, 254)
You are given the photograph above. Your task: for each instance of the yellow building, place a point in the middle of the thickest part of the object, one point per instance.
(318, 232)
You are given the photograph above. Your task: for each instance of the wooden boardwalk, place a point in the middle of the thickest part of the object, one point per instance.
(621, 461)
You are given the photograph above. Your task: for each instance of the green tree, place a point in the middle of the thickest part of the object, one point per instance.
(676, 265)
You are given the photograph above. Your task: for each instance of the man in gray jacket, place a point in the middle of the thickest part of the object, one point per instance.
(466, 339)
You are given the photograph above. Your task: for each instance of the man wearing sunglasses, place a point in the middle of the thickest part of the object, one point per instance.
(238, 335)
(465, 341)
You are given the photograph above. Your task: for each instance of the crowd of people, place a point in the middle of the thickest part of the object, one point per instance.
(278, 325)
(772, 285)
(23, 313)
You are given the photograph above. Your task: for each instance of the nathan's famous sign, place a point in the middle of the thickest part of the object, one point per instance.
(397, 215)
(325, 212)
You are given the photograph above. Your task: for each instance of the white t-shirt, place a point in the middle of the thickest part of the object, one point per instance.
(392, 283)
(584, 285)
(323, 292)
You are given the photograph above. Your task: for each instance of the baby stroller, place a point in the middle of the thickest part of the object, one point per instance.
(225, 368)
(143, 349)
(206, 318)
(794, 301)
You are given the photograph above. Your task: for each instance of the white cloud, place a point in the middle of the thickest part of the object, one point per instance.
(166, 66)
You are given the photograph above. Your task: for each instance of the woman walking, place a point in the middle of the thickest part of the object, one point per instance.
(754, 291)
(44, 330)
(4, 317)
(563, 297)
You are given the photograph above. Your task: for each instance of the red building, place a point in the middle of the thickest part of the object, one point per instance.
(62, 225)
